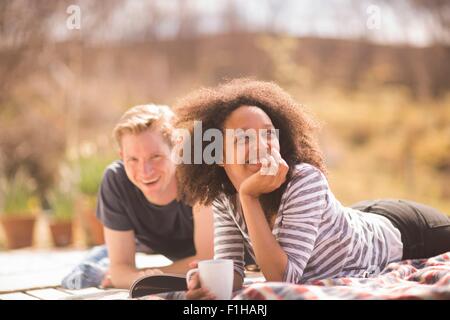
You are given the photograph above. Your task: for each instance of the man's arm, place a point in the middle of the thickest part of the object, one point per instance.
(203, 240)
(122, 254)
(122, 250)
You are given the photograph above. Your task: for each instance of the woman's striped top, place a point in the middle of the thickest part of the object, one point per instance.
(321, 237)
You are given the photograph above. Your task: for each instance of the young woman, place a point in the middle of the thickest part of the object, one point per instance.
(290, 220)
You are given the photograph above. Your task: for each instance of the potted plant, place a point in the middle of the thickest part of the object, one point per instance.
(18, 215)
(61, 220)
(91, 174)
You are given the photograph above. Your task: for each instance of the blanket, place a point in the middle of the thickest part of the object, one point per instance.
(407, 279)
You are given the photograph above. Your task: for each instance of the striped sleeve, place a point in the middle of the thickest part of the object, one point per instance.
(304, 202)
(228, 239)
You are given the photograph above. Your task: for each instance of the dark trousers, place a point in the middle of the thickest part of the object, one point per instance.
(425, 231)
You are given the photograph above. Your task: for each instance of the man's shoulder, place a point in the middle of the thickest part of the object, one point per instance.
(115, 172)
(116, 166)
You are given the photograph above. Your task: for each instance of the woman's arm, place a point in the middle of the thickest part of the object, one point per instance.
(203, 239)
(285, 258)
(270, 256)
(237, 281)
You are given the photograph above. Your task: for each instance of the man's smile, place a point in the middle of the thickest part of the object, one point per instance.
(149, 182)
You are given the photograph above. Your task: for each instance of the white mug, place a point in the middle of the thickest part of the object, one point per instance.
(216, 276)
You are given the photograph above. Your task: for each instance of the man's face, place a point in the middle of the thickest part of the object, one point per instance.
(148, 165)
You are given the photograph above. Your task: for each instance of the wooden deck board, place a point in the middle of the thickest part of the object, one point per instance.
(24, 269)
(48, 294)
(59, 293)
(17, 296)
(109, 294)
(82, 291)
(29, 269)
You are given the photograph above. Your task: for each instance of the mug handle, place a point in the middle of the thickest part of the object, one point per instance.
(189, 275)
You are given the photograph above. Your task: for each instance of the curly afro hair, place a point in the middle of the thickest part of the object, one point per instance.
(202, 183)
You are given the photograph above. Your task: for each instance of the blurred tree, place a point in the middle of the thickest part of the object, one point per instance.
(232, 20)
(187, 18)
(20, 37)
(275, 9)
(37, 82)
(155, 17)
(439, 24)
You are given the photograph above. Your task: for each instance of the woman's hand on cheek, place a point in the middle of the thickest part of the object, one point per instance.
(269, 178)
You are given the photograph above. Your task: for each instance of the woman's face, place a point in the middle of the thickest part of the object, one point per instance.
(243, 152)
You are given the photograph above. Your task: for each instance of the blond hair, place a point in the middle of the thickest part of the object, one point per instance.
(144, 117)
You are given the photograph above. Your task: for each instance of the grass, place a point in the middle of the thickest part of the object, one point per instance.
(385, 144)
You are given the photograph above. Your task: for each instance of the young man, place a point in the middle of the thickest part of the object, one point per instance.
(137, 200)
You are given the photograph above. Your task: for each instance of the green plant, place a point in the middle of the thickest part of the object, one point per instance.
(63, 206)
(18, 197)
(91, 173)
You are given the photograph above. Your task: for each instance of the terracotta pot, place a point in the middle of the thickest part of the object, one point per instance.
(61, 233)
(94, 227)
(18, 230)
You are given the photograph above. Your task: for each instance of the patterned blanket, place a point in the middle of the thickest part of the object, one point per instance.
(408, 279)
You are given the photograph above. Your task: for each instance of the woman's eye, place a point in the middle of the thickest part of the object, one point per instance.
(270, 133)
(240, 140)
(244, 140)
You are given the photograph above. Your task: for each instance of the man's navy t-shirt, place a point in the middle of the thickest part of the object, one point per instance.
(121, 206)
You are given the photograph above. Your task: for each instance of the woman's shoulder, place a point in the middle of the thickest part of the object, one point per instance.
(223, 201)
(306, 191)
(304, 175)
(303, 170)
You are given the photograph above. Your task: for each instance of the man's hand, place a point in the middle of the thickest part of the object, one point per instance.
(106, 281)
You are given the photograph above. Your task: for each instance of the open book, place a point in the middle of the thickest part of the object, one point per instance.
(159, 283)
